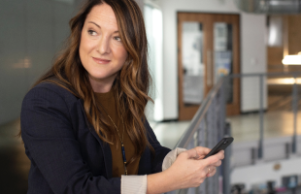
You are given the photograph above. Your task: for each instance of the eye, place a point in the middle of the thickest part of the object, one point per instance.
(92, 32)
(117, 38)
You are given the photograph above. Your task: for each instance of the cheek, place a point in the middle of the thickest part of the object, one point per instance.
(85, 47)
(82, 48)
(122, 54)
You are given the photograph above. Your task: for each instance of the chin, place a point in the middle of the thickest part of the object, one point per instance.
(102, 77)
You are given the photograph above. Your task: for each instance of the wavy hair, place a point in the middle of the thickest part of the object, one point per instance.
(131, 83)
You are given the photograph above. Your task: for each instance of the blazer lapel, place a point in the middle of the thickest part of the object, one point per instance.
(105, 148)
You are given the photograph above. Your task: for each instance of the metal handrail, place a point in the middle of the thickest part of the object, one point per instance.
(195, 122)
(208, 120)
(215, 102)
(197, 118)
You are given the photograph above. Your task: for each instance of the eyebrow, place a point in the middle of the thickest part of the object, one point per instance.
(99, 26)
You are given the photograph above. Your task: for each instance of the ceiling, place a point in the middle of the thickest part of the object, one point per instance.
(269, 6)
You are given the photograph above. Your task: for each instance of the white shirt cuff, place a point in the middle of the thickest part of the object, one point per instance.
(133, 184)
(171, 157)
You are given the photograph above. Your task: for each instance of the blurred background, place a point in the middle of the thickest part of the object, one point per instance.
(219, 67)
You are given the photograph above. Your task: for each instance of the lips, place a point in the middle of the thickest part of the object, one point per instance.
(101, 61)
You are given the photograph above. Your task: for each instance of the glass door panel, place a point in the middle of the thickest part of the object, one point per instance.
(223, 57)
(192, 63)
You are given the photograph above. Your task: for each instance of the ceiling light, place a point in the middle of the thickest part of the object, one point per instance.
(292, 59)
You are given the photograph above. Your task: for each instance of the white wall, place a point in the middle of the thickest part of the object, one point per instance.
(253, 59)
(253, 49)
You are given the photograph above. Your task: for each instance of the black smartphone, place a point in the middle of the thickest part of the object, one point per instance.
(221, 145)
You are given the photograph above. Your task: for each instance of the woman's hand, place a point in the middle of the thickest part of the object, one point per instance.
(190, 170)
(201, 154)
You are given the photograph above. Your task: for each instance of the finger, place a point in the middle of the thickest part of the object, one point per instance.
(212, 171)
(192, 153)
(198, 152)
(217, 163)
(207, 170)
(214, 160)
(210, 160)
(202, 151)
(221, 154)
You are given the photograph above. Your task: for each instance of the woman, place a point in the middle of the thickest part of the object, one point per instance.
(83, 123)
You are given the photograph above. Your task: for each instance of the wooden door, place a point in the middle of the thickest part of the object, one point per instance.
(208, 47)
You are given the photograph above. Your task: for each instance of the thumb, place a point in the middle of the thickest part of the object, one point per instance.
(192, 153)
(198, 152)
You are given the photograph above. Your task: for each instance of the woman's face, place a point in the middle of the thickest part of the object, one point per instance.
(101, 50)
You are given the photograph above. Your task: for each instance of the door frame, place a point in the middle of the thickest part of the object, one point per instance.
(208, 19)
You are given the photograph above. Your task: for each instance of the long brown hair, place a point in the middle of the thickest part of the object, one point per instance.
(131, 83)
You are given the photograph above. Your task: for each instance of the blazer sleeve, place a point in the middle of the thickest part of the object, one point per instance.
(53, 147)
(160, 151)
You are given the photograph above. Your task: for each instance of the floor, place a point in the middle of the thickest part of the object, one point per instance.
(15, 165)
(244, 127)
(275, 124)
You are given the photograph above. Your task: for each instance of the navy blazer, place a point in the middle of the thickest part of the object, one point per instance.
(66, 154)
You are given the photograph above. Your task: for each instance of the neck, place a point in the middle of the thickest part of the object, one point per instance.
(101, 86)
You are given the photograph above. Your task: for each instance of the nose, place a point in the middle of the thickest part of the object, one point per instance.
(104, 45)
